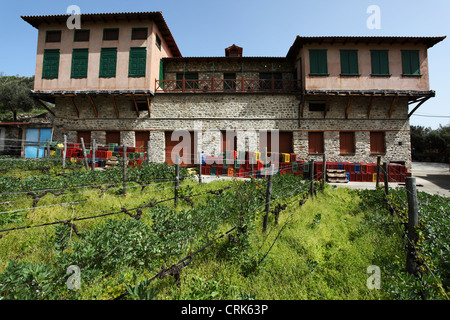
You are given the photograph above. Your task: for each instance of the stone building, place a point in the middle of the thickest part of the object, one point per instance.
(122, 79)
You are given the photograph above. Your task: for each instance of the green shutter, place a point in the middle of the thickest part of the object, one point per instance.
(349, 63)
(50, 67)
(380, 62)
(411, 62)
(138, 60)
(161, 73)
(318, 62)
(108, 63)
(80, 59)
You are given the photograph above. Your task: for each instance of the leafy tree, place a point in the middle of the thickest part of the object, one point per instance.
(14, 94)
(429, 144)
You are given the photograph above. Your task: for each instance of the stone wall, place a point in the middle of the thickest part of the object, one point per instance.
(248, 113)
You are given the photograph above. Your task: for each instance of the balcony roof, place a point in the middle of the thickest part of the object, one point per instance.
(157, 17)
(330, 40)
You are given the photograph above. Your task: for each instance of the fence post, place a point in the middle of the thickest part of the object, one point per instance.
(125, 165)
(413, 221)
(378, 170)
(311, 176)
(268, 197)
(177, 178)
(200, 169)
(93, 146)
(148, 151)
(386, 178)
(64, 154)
(48, 148)
(83, 147)
(324, 171)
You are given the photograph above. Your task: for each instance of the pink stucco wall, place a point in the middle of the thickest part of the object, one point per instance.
(95, 44)
(365, 81)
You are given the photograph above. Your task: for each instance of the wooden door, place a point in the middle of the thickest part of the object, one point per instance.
(285, 139)
(186, 149)
(141, 140)
(113, 137)
(86, 135)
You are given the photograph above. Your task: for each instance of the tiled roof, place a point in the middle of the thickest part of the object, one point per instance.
(300, 41)
(156, 16)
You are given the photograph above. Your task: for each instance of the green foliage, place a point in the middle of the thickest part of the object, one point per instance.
(430, 145)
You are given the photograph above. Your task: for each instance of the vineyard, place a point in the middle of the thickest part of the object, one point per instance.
(153, 236)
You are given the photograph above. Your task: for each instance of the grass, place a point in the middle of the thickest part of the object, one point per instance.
(323, 253)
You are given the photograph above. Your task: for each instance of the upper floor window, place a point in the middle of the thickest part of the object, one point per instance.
(53, 36)
(79, 63)
(317, 106)
(139, 34)
(267, 78)
(111, 34)
(229, 82)
(108, 63)
(191, 81)
(411, 63)
(50, 67)
(318, 62)
(138, 62)
(380, 62)
(349, 63)
(158, 42)
(81, 35)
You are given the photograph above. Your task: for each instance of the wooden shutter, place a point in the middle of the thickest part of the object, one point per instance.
(108, 62)
(380, 62)
(50, 67)
(80, 59)
(183, 157)
(86, 135)
(318, 62)
(137, 63)
(349, 62)
(315, 142)
(81, 35)
(53, 36)
(113, 137)
(139, 34)
(377, 142)
(141, 138)
(411, 62)
(347, 142)
(111, 34)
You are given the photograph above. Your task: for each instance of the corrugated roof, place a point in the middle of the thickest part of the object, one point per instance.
(300, 41)
(156, 16)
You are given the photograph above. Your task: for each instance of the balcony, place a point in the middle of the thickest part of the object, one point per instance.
(228, 85)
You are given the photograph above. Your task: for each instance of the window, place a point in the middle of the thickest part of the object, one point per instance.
(380, 62)
(190, 83)
(80, 63)
(158, 42)
(53, 36)
(349, 63)
(411, 63)
(377, 142)
(318, 63)
(81, 35)
(137, 63)
(50, 67)
(347, 142)
(229, 82)
(110, 34)
(315, 142)
(139, 34)
(108, 62)
(266, 81)
(317, 106)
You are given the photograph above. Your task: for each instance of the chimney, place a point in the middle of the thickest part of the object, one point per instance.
(233, 51)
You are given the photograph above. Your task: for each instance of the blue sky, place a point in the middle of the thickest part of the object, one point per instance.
(261, 27)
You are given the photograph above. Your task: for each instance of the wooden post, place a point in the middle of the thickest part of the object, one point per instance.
(48, 148)
(268, 197)
(64, 154)
(413, 221)
(93, 146)
(378, 170)
(265, 161)
(125, 165)
(200, 169)
(148, 151)
(324, 171)
(311, 176)
(386, 178)
(177, 178)
(83, 147)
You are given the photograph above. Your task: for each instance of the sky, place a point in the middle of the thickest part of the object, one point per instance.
(261, 27)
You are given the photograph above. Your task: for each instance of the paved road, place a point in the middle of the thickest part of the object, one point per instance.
(433, 178)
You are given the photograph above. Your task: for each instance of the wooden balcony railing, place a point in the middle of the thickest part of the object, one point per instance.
(228, 85)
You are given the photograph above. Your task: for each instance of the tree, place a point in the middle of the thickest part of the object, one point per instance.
(430, 145)
(14, 94)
